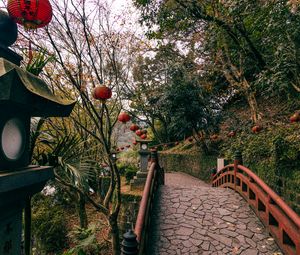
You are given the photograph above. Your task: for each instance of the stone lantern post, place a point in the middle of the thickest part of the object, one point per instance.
(22, 96)
(141, 176)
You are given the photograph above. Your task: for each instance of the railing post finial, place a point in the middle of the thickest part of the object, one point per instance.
(238, 157)
(154, 155)
(238, 160)
(129, 244)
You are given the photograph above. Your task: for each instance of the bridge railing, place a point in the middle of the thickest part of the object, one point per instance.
(139, 238)
(280, 220)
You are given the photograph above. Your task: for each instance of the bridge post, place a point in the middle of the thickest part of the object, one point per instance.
(129, 244)
(238, 160)
(161, 173)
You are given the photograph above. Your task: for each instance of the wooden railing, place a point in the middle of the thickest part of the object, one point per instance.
(280, 220)
(154, 179)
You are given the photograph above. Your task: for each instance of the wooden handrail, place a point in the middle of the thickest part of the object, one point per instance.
(281, 221)
(155, 178)
(144, 202)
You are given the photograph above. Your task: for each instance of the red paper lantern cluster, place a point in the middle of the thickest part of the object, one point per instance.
(31, 14)
(124, 117)
(102, 93)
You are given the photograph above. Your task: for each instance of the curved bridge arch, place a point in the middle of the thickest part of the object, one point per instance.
(281, 221)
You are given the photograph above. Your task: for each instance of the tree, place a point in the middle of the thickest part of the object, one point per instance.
(89, 51)
(252, 44)
(169, 92)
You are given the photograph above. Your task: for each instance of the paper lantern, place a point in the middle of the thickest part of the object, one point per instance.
(124, 117)
(31, 14)
(102, 93)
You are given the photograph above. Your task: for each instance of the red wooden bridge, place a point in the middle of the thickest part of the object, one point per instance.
(237, 214)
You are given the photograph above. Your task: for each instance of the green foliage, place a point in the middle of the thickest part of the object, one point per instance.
(168, 91)
(274, 154)
(199, 164)
(49, 226)
(186, 103)
(38, 62)
(128, 158)
(122, 168)
(86, 242)
(130, 172)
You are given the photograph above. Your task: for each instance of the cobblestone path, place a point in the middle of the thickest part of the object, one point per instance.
(191, 217)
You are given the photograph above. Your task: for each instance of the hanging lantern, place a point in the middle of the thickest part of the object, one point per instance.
(231, 134)
(122, 148)
(138, 132)
(134, 127)
(134, 142)
(295, 117)
(214, 137)
(102, 93)
(124, 117)
(143, 136)
(31, 14)
(256, 129)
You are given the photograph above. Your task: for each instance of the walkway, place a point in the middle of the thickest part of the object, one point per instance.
(193, 218)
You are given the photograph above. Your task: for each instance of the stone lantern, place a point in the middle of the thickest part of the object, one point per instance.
(141, 176)
(22, 96)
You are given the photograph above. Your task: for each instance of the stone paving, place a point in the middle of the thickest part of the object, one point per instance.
(191, 217)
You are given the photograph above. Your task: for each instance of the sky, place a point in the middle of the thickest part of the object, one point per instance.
(119, 5)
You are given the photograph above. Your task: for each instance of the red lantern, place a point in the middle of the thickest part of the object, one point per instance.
(31, 14)
(256, 129)
(128, 146)
(134, 143)
(214, 137)
(138, 132)
(143, 136)
(231, 134)
(295, 117)
(190, 139)
(102, 93)
(134, 127)
(124, 117)
(122, 148)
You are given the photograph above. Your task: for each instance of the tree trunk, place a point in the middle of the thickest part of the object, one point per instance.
(82, 211)
(115, 237)
(255, 116)
(250, 95)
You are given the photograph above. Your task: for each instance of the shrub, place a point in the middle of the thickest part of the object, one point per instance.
(49, 226)
(130, 172)
(122, 168)
(86, 242)
(274, 154)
